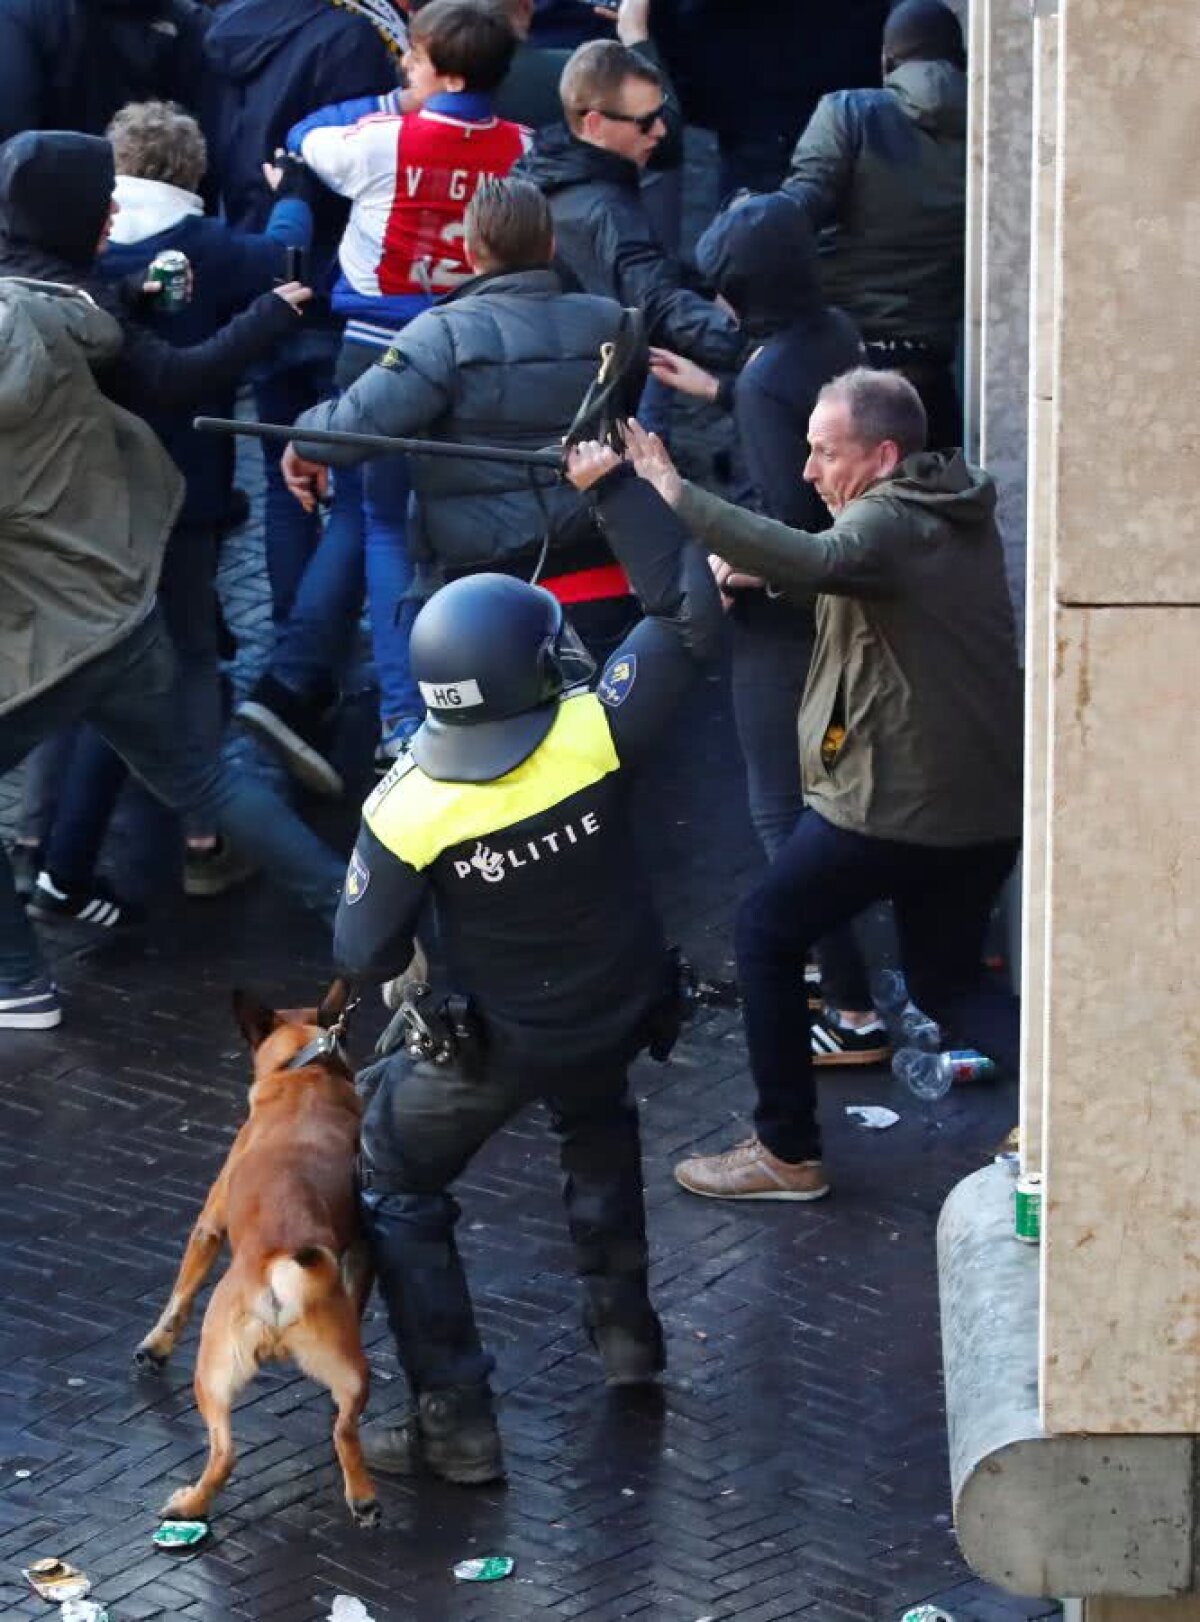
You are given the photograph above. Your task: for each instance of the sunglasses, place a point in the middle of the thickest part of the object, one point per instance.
(644, 121)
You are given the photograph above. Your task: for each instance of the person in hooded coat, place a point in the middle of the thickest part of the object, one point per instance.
(760, 256)
(48, 188)
(71, 64)
(884, 173)
(90, 498)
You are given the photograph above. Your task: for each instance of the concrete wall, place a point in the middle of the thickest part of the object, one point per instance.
(1121, 1258)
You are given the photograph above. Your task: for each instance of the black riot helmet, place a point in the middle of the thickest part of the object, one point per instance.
(491, 656)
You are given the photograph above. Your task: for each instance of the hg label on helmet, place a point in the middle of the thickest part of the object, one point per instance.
(451, 695)
(492, 866)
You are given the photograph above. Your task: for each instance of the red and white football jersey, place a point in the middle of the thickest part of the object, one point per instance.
(410, 177)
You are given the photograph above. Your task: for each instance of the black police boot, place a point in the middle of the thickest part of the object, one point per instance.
(630, 1359)
(453, 1434)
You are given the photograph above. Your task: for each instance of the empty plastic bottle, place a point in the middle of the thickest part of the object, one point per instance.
(931, 1075)
(889, 991)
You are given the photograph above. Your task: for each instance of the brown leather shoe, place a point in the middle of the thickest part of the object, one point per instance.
(751, 1172)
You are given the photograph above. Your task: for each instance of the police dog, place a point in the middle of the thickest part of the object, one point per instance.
(298, 1278)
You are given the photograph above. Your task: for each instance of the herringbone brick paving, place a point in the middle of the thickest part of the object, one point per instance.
(794, 1464)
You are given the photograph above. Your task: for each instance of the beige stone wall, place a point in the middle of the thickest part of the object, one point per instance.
(1121, 1255)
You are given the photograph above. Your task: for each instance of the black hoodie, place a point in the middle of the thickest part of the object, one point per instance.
(761, 257)
(55, 191)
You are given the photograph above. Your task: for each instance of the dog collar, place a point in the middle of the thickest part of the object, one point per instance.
(326, 1046)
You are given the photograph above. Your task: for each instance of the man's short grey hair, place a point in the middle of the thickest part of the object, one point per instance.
(881, 405)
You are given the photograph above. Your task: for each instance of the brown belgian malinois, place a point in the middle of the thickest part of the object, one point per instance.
(298, 1278)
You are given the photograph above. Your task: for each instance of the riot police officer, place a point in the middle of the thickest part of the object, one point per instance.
(512, 810)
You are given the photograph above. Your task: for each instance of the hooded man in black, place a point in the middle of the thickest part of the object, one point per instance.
(760, 256)
(55, 194)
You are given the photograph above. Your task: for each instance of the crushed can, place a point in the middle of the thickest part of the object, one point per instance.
(56, 1580)
(82, 1610)
(491, 1569)
(1027, 1208)
(927, 1613)
(180, 1534)
(172, 272)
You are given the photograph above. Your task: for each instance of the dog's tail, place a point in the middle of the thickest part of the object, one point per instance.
(295, 1282)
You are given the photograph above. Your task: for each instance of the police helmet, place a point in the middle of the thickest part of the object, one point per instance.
(491, 656)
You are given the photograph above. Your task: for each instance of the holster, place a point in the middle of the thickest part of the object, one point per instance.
(440, 1031)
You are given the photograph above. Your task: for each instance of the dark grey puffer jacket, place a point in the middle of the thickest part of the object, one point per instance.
(885, 171)
(505, 360)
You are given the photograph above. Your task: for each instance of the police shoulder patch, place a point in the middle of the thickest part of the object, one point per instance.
(616, 683)
(358, 876)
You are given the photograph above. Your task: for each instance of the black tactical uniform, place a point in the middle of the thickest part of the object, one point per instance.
(547, 924)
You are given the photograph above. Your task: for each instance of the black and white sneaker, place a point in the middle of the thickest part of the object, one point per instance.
(95, 905)
(295, 730)
(29, 1005)
(836, 1044)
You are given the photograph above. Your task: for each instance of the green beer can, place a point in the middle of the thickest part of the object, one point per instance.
(1027, 1208)
(172, 272)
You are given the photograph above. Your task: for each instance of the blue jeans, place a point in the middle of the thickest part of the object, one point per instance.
(823, 877)
(299, 375)
(365, 540)
(386, 489)
(772, 646)
(130, 694)
(316, 639)
(94, 776)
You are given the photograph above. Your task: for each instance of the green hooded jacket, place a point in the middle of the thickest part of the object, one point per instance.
(915, 657)
(87, 493)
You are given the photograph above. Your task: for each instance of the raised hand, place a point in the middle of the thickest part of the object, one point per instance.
(652, 462)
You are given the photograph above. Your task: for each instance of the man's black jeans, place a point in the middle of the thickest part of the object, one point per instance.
(423, 1125)
(821, 878)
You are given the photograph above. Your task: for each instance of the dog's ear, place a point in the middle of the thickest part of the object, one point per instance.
(255, 1020)
(333, 1004)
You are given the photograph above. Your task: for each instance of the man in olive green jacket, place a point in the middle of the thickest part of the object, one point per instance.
(87, 499)
(910, 747)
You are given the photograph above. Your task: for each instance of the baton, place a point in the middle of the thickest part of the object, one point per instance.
(549, 458)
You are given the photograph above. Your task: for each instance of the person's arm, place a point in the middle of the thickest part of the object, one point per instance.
(338, 115)
(405, 391)
(643, 680)
(376, 921)
(250, 261)
(822, 166)
(340, 149)
(646, 279)
(856, 558)
(152, 375)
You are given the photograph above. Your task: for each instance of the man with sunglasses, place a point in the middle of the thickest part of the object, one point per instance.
(613, 102)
